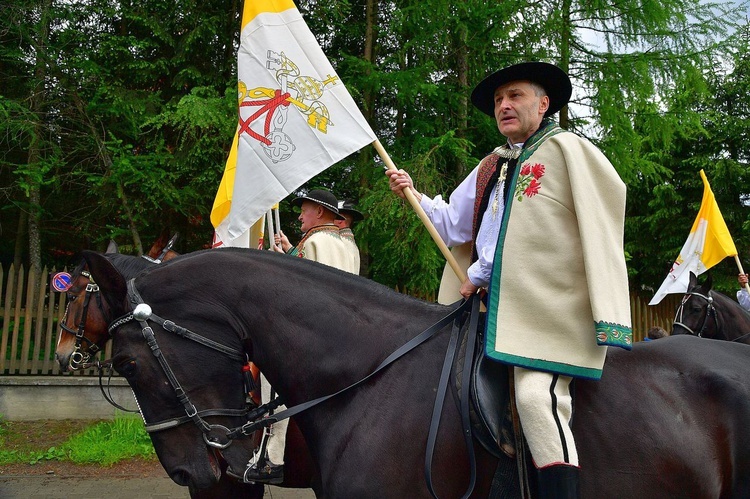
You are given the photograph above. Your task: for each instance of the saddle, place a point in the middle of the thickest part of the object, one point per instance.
(490, 412)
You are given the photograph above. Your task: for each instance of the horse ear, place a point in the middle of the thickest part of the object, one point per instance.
(111, 283)
(709, 282)
(112, 247)
(693, 281)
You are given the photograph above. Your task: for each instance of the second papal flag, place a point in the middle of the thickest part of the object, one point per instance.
(709, 243)
(296, 118)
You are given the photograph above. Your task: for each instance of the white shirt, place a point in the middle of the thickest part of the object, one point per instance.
(453, 221)
(744, 299)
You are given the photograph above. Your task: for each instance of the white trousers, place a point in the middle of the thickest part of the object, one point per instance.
(545, 408)
(277, 435)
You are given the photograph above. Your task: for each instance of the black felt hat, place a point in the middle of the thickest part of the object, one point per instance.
(348, 207)
(324, 198)
(554, 80)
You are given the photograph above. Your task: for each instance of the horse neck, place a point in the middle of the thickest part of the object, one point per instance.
(335, 338)
(310, 329)
(734, 321)
(129, 266)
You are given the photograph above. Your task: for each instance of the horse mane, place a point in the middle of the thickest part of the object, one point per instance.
(128, 265)
(323, 274)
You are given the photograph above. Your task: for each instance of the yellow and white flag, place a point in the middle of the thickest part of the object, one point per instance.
(296, 118)
(709, 243)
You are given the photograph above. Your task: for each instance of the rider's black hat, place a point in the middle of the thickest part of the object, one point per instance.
(348, 207)
(554, 80)
(324, 198)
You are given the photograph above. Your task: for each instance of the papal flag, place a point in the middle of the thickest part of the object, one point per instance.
(709, 243)
(296, 118)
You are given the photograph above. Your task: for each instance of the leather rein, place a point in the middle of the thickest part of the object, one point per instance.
(219, 436)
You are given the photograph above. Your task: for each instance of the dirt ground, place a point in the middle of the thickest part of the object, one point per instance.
(26, 436)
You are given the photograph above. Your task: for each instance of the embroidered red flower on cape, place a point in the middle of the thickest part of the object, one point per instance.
(533, 188)
(529, 182)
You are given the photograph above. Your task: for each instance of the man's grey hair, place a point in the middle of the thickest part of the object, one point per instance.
(539, 90)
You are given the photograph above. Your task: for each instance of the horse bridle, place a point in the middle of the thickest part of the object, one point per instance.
(258, 418)
(142, 313)
(79, 357)
(710, 312)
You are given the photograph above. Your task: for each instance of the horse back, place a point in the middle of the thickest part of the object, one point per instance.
(667, 418)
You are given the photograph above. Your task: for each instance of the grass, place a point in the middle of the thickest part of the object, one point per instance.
(103, 443)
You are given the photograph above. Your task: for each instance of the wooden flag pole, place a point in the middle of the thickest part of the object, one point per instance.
(739, 266)
(422, 215)
(276, 218)
(270, 229)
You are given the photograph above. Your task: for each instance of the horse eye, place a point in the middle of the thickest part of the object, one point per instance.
(127, 368)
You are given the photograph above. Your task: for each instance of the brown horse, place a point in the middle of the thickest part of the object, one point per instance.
(83, 328)
(706, 313)
(82, 333)
(666, 420)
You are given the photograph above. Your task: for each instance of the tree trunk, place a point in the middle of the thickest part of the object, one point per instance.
(23, 224)
(365, 156)
(37, 104)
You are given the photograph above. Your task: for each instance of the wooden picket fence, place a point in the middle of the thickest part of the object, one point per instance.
(31, 311)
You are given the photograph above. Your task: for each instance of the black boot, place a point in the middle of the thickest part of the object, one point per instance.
(559, 481)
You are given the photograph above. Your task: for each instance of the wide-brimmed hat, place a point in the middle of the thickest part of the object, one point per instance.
(348, 207)
(324, 198)
(554, 80)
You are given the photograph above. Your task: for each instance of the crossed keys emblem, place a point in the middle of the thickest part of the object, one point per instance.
(303, 92)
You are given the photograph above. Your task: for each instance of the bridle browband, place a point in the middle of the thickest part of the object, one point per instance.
(262, 417)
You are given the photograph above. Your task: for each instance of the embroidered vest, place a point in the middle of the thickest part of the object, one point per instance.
(487, 170)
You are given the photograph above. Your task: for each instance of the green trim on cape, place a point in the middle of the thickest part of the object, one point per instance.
(614, 335)
(545, 365)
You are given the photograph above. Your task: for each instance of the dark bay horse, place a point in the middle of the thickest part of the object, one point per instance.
(707, 313)
(666, 420)
(93, 319)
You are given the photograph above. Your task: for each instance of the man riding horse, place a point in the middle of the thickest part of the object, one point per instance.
(545, 212)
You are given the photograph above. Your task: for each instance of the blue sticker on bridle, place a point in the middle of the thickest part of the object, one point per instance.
(61, 281)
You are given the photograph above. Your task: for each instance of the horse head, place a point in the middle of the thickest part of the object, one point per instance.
(707, 313)
(696, 315)
(83, 328)
(171, 371)
(162, 251)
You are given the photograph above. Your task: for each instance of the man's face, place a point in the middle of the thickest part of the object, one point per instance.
(309, 215)
(518, 110)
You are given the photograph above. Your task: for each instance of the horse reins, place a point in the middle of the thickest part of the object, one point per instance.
(257, 418)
